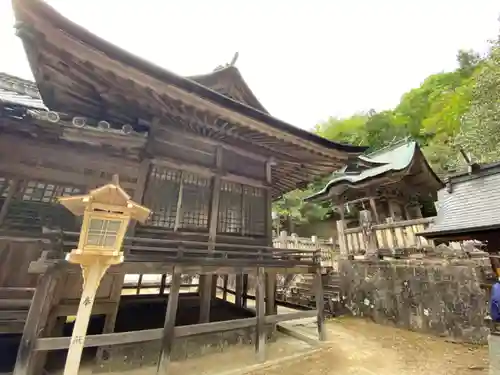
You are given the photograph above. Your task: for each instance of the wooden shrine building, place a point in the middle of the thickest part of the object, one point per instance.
(391, 182)
(202, 153)
(468, 207)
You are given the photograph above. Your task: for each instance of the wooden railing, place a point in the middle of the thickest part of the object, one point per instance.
(390, 237)
(145, 249)
(328, 248)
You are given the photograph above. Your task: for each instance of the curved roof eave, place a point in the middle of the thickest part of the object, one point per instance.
(352, 181)
(49, 14)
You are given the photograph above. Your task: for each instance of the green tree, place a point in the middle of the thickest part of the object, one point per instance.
(480, 130)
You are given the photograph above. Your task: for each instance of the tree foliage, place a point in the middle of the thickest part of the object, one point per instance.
(448, 112)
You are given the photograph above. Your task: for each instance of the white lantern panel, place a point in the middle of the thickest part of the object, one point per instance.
(103, 233)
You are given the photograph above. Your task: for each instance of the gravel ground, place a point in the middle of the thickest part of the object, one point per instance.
(359, 347)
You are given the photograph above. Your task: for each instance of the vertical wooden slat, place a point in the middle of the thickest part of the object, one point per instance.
(36, 321)
(399, 237)
(178, 212)
(169, 325)
(260, 339)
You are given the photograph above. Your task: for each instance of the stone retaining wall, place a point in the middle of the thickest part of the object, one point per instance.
(439, 296)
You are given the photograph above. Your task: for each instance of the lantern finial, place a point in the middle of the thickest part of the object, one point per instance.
(115, 180)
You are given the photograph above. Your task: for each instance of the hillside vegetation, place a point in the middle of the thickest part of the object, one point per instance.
(448, 112)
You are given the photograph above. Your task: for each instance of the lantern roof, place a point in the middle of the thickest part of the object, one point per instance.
(110, 194)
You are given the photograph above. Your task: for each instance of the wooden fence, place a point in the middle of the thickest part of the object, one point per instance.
(390, 236)
(329, 249)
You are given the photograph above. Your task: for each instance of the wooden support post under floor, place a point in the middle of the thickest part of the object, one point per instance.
(260, 339)
(205, 293)
(320, 301)
(168, 328)
(271, 306)
(36, 322)
(244, 293)
(224, 287)
(238, 295)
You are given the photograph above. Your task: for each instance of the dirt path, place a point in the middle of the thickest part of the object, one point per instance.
(362, 348)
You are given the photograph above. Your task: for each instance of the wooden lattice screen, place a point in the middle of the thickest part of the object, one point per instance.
(39, 191)
(170, 190)
(162, 195)
(195, 204)
(242, 210)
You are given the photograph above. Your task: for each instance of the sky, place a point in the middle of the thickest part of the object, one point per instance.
(304, 60)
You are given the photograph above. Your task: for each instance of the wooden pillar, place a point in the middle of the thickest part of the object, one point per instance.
(205, 297)
(260, 339)
(320, 300)
(224, 287)
(245, 290)
(36, 321)
(169, 325)
(238, 295)
(139, 284)
(271, 307)
(206, 281)
(163, 283)
(213, 290)
(373, 206)
(344, 251)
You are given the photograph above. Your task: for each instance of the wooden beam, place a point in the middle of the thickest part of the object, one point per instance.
(36, 321)
(169, 326)
(320, 301)
(260, 339)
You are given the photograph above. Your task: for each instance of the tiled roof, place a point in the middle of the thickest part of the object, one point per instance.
(17, 91)
(394, 158)
(470, 204)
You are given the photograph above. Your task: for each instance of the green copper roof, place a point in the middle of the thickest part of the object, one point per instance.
(394, 158)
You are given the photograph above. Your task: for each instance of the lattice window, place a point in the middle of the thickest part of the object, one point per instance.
(254, 211)
(162, 196)
(195, 205)
(242, 210)
(38, 191)
(230, 208)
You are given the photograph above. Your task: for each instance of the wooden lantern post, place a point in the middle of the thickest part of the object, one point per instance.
(106, 213)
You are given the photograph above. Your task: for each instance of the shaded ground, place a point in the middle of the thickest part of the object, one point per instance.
(361, 347)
